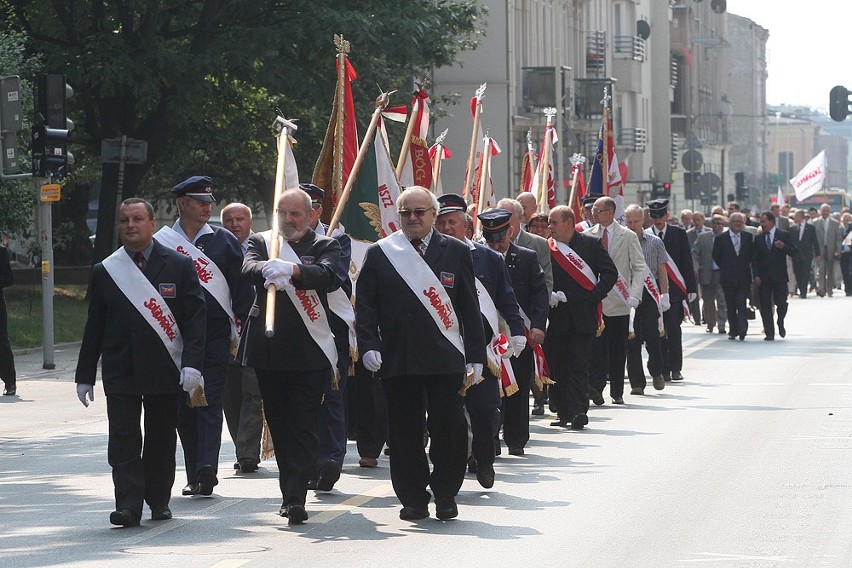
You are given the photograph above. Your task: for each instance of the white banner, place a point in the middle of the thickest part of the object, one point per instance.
(810, 179)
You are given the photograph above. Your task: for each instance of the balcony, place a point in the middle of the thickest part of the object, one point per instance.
(633, 139)
(629, 47)
(596, 54)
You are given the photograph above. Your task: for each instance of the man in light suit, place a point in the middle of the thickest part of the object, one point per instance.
(804, 235)
(609, 350)
(829, 236)
(708, 276)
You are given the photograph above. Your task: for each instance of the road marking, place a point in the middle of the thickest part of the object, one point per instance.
(177, 523)
(699, 345)
(233, 563)
(830, 384)
(353, 502)
(719, 557)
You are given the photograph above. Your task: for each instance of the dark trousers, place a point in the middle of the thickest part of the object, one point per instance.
(568, 359)
(409, 398)
(291, 400)
(671, 345)
(7, 360)
(736, 298)
(772, 293)
(647, 331)
(483, 404)
(516, 408)
(846, 271)
(372, 426)
(802, 270)
(242, 405)
(200, 428)
(609, 354)
(331, 420)
(142, 470)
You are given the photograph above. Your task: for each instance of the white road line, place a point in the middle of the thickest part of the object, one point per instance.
(830, 384)
(699, 345)
(233, 563)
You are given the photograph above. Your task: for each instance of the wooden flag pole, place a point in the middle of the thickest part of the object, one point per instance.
(605, 154)
(577, 161)
(343, 48)
(473, 135)
(381, 103)
(484, 176)
(282, 127)
(406, 142)
(541, 189)
(439, 158)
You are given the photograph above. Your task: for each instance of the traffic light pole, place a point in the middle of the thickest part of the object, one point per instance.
(45, 234)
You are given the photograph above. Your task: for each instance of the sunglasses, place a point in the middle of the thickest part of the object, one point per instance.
(419, 212)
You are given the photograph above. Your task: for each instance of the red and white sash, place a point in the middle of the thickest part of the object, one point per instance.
(622, 289)
(576, 267)
(676, 277)
(541, 369)
(418, 276)
(308, 305)
(650, 284)
(498, 346)
(211, 276)
(147, 301)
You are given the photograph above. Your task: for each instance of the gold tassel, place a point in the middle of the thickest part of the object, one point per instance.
(197, 398)
(353, 358)
(547, 380)
(631, 335)
(267, 448)
(511, 389)
(335, 381)
(494, 366)
(600, 330)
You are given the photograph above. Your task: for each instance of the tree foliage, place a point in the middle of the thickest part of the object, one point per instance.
(200, 81)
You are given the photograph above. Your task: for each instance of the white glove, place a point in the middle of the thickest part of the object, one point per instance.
(691, 296)
(665, 303)
(191, 378)
(519, 342)
(556, 297)
(275, 268)
(280, 283)
(633, 302)
(84, 391)
(372, 360)
(474, 369)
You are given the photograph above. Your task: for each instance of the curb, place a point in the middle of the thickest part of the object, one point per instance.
(31, 350)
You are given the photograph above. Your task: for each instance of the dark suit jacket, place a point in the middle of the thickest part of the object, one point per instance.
(734, 269)
(579, 313)
(135, 361)
(338, 326)
(807, 247)
(390, 319)
(528, 282)
(489, 267)
(770, 264)
(222, 247)
(677, 245)
(291, 348)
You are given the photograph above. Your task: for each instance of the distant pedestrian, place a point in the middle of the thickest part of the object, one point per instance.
(7, 360)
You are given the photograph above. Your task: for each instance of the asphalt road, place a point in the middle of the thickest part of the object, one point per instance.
(745, 463)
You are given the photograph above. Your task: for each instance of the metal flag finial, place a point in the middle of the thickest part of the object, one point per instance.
(549, 112)
(606, 98)
(480, 92)
(343, 46)
(529, 138)
(578, 159)
(441, 136)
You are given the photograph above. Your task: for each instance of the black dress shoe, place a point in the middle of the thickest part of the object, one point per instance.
(781, 331)
(769, 338)
(329, 474)
(676, 376)
(312, 484)
(10, 390)
(579, 421)
(296, 514)
(732, 337)
(248, 466)
(596, 396)
(207, 480)
(237, 465)
(413, 513)
(283, 510)
(446, 508)
(742, 336)
(485, 475)
(538, 409)
(516, 451)
(191, 489)
(562, 423)
(618, 400)
(161, 513)
(124, 518)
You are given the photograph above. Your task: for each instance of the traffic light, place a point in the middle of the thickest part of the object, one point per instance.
(741, 190)
(661, 190)
(51, 127)
(10, 124)
(838, 103)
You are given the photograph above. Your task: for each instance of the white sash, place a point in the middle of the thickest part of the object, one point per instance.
(341, 306)
(622, 289)
(426, 287)
(489, 310)
(575, 259)
(210, 276)
(308, 305)
(146, 299)
(651, 286)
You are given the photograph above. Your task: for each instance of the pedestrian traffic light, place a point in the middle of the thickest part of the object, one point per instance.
(838, 103)
(741, 189)
(661, 190)
(51, 127)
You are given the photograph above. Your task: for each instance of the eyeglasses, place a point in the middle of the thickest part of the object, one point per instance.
(599, 211)
(419, 212)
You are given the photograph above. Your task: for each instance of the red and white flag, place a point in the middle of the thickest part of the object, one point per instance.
(438, 152)
(417, 168)
(476, 159)
(545, 192)
(811, 178)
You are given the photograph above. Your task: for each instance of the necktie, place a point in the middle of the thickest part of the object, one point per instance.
(769, 240)
(736, 240)
(139, 259)
(416, 244)
(605, 240)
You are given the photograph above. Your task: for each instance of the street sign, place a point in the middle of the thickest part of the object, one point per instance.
(135, 151)
(692, 160)
(50, 192)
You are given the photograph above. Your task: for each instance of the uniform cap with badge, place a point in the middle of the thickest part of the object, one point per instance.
(314, 191)
(451, 202)
(495, 224)
(199, 188)
(657, 208)
(589, 201)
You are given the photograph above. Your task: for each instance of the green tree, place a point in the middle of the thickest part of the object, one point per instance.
(199, 81)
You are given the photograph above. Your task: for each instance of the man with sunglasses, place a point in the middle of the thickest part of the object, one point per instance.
(418, 323)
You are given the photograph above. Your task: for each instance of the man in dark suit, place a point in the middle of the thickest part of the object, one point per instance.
(294, 365)
(574, 315)
(769, 266)
(732, 252)
(677, 245)
(482, 401)
(7, 359)
(527, 278)
(200, 427)
(143, 363)
(807, 250)
(412, 311)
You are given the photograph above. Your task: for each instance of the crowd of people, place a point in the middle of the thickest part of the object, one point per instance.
(454, 322)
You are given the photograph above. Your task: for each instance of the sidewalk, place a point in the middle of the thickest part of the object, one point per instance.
(29, 363)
